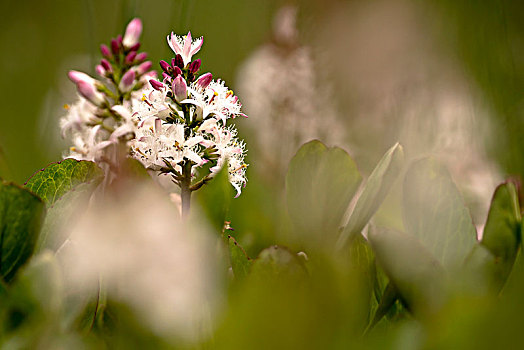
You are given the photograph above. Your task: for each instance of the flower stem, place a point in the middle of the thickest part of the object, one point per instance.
(185, 190)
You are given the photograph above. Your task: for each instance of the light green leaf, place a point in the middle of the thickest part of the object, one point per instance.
(502, 231)
(55, 180)
(435, 213)
(319, 186)
(415, 273)
(21, 214)
(240, 262)
(375, 190)
(62, 215)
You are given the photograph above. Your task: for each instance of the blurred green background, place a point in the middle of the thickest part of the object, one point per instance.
(42, 40)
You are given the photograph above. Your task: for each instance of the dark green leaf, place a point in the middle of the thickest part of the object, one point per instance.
(319, 186)
(20, 220)
(435, 213)
(375, 190)
(55, 180)
(240, 262)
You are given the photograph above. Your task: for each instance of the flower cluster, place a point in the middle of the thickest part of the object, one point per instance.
(100, 121)
(182, 121)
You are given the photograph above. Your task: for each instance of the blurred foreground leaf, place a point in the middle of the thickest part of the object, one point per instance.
(55, 180)
(20, 220)
(375, 190)
(240, 262)
(319, 186)
(435, 213)
(412, 269)
(502, 231)
(61, 215)
(278, 262)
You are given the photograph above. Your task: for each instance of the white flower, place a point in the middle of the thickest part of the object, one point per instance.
(184, 46)
(215, 100)
(229, 149)
(160, 143)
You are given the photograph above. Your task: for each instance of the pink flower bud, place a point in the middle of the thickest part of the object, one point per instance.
(195, 66)
(135, 47)
(133, 31)
(165, 66)
(156, 84)
(77, 77)
(130, 57)
(204, 80)
(128, 80)
(141, 57)
(100, 70)
(105, 51)
(90, 93)
(178, 71)
(179, 88)
(144, 67)
(115, 48)
(107, 66)
(179, 61)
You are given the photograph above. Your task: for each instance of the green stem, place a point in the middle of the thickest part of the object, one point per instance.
(185, 189)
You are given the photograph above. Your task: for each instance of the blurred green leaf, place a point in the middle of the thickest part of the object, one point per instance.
(62, 214)
(375, 190)
(56, 179)
(21, 214)
(387, 301)
(34, 304)
(412, 269)
(502, 231)
(435, 213)
(278, 262)
(240, 262)
(319, 186)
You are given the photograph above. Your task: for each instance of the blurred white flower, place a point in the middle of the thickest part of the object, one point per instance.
(167, 270)
(284, 97)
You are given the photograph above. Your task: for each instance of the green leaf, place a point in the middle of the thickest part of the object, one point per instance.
(502, 231)
(319, 186)
(55, 180)
(435, 213)
(375, 190)
(387, 301)
(62, 215)
(21, 214)
(278, 262)
(240, 262)
(415, 273)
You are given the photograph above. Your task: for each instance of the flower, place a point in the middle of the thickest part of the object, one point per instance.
(100, 122)
(215, 100)
(161, 145)
(184, 46)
